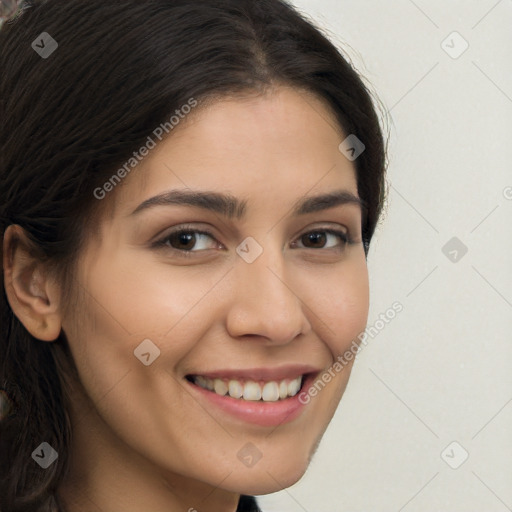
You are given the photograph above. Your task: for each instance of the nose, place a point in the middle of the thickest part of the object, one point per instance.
(264, 303)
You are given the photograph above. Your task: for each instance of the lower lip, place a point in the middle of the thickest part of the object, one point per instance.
(265, 414)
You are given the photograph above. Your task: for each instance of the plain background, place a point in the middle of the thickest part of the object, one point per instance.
(440, 371)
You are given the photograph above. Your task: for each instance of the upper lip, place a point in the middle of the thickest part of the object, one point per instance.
(265, 374)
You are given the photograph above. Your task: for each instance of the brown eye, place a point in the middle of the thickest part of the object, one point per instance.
(317, 239)
(187, 241)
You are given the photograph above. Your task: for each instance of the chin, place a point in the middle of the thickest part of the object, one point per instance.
(267, 479)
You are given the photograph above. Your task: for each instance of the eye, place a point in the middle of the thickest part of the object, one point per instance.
(186, 241)
(317, 239)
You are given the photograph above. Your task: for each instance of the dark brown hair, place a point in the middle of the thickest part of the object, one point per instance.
(121, 68)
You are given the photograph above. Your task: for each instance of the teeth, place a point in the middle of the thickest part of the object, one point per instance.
(270, 392)
(249, 390)
(252, 391)
(220, 387)
(201, 381)
(236, 390)
(293, 387)
(283, 389)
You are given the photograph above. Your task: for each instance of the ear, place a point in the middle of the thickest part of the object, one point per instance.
(33, 296)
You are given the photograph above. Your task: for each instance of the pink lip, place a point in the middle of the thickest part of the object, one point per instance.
(261, 374)
(265, 414)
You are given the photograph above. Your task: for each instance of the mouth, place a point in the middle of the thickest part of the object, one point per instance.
(250, 390)
(258, 397)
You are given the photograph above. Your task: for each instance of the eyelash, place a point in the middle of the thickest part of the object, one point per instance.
(162, 243)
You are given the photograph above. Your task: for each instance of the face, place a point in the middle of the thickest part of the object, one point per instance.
(192, 311)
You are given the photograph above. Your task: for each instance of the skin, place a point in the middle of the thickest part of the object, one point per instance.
(141, 442)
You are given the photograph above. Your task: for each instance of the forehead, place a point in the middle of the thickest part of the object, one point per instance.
(271, 148)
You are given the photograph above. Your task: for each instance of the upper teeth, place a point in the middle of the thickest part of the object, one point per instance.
(251, 390)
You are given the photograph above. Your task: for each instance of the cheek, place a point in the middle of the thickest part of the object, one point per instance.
(125, 302)
(144, 297)
(342, 305)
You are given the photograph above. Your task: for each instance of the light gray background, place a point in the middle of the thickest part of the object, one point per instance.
(441, 370)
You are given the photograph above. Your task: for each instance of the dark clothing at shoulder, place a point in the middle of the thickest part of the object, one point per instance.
(247, 504)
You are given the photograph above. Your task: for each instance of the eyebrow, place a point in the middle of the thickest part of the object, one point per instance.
(233, 208)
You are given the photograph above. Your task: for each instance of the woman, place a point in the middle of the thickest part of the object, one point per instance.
(188, 194)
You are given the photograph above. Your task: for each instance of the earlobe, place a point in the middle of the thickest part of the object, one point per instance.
(32, 294)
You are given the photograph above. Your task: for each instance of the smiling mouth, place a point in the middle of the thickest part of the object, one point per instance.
(250, 390)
